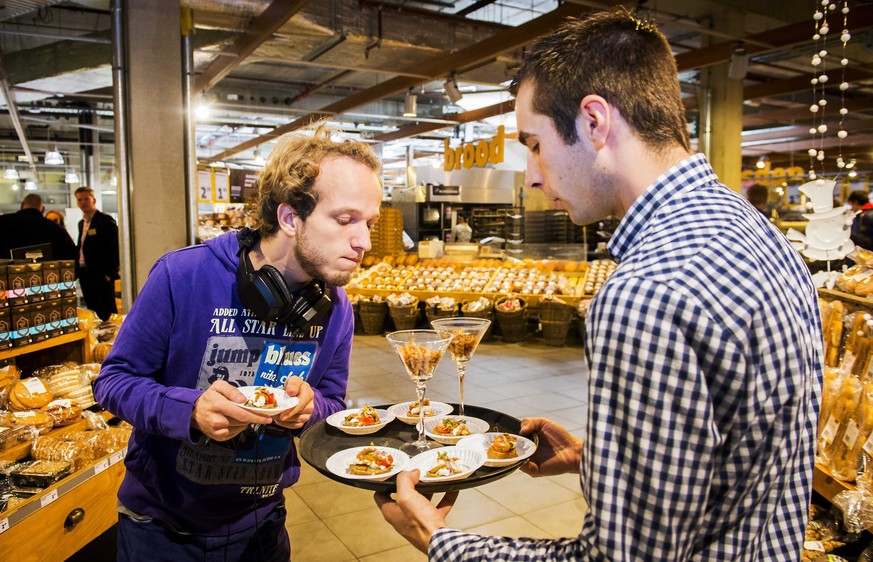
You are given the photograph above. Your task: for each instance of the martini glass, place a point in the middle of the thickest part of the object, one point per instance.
(466, 333)
(420, 351)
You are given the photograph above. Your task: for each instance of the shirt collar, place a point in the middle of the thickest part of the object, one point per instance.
(688, 174)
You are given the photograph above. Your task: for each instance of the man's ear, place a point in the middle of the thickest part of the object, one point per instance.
(596, 119)
(288, 219)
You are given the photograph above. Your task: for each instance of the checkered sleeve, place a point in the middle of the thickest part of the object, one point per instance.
(451, 545)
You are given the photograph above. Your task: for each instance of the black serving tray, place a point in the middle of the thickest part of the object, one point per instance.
(321, 441)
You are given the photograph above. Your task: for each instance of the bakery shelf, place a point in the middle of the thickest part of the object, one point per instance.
(55, 524)
(22, 450)
(43, 345)
(62, 487)
(827, 485)
(49, 344)
(848, 297)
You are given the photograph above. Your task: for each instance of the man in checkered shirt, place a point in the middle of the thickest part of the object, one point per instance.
(704, 346)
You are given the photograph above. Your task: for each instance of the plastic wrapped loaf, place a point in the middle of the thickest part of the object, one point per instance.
(840, 410)
(855, 431)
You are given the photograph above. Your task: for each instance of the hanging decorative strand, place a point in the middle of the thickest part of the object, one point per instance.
(819, 127)
(845, 36)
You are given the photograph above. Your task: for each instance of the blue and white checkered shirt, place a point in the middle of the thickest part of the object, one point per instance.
(705, 359)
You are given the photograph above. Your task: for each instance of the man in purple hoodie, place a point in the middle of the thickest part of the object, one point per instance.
(205, 477)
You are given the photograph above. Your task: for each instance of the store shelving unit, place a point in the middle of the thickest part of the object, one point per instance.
(57, 522)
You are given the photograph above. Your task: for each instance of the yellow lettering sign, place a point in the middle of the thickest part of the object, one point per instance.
(471, 154)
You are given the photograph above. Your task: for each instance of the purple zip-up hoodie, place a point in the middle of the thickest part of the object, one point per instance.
(186, 329)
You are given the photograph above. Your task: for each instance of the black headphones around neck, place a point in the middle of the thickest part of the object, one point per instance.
(266, 294)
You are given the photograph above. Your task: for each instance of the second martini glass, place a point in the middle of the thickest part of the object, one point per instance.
(466, 333)
(420, 351)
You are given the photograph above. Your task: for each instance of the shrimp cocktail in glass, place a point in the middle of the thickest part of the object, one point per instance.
(466, 333)
(420, 351)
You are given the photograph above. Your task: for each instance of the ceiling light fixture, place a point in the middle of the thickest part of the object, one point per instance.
(739, 63)
(259, 160)
(30, 185)
(452, 91)
(71, 177)
(53, 157)
(410, 104)
(10, 174)
(761, 163)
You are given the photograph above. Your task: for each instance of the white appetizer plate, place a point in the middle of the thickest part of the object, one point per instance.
(474, 425)
(336, 420)
(400, 411)
(471, 459)
(481, 442)
(339, 462)
(283, 401)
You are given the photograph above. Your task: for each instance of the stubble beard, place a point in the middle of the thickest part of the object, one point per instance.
(313, 262)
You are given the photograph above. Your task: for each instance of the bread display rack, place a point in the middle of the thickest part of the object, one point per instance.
(56, 523)
(823, 482)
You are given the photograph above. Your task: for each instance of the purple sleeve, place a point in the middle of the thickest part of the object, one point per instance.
(132, 380)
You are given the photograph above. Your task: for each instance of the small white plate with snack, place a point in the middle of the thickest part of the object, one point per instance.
(267, 400)
(448, 430)
(501, 449)
(367, 463)
(360, 421)
(446, 463)
(407, 412)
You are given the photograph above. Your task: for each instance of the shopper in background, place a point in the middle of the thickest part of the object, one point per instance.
(758, 195)
(704, 346)
(56, 217)
(202, 481)
(461, 232)
(28, 227)
(862, 225)
(98, 263)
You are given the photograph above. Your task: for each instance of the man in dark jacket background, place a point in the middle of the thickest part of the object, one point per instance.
(862, 226)
(28, 227)
(98, 260)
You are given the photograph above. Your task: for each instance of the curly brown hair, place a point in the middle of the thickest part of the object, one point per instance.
(617, 56)
(292, 168)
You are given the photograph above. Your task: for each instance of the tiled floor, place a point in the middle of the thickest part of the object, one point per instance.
(332, 522)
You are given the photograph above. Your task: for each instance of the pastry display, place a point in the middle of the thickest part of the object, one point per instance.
(28, 394)
(63, 412)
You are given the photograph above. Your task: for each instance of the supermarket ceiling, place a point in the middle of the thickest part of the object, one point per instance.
(267, 67)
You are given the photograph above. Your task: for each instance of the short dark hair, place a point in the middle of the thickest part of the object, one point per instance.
(292, 168)
(858, 197)
(84, 189)
(617, 56)
(31, 201)
(757, 194)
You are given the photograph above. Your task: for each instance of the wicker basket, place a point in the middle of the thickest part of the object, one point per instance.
(373, 317)
(405, 317)
(432, 313)
(359, 324)
(555, 319)
(487, 313)
(513, 325)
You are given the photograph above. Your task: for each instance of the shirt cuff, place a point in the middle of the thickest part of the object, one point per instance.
(446, 544)
(176, 411)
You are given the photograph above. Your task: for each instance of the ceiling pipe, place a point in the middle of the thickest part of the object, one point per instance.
(12, 107)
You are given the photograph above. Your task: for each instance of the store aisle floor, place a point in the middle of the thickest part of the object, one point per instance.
(332, 522)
